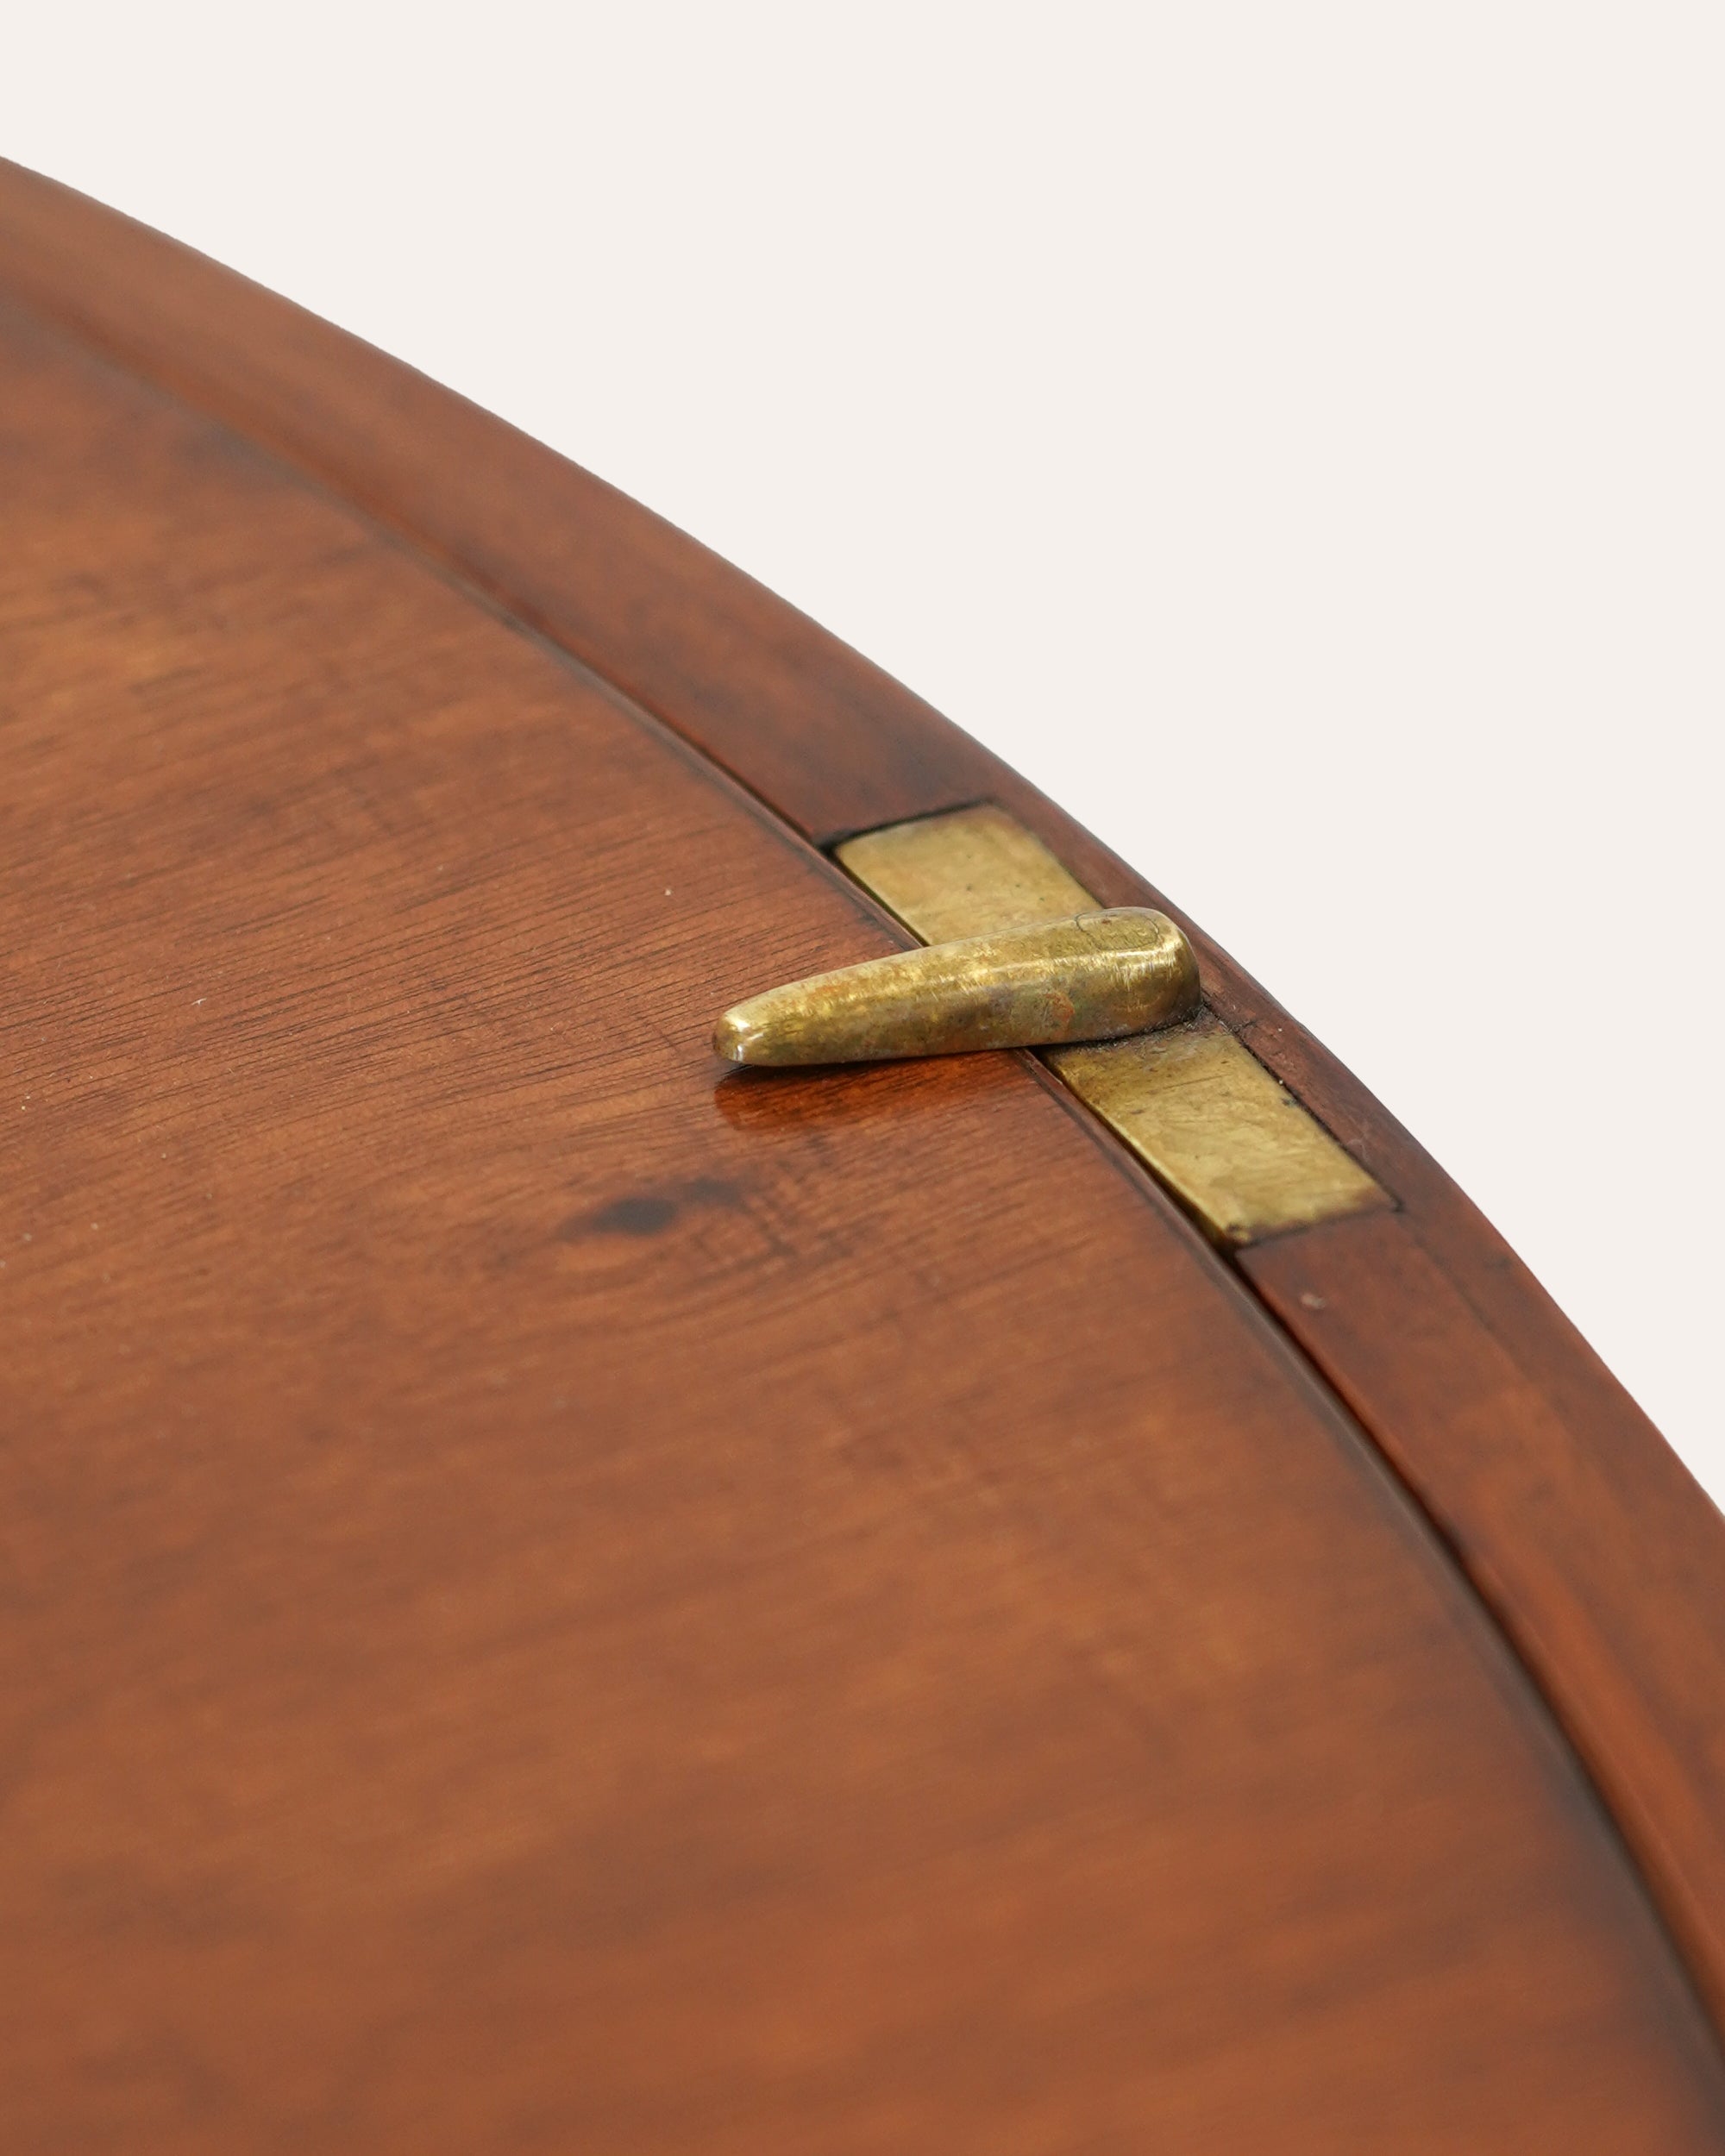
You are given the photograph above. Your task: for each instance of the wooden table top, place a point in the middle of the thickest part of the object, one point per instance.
(561, 1600)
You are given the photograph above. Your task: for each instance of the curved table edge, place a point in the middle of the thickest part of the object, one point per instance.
(1599, 1556)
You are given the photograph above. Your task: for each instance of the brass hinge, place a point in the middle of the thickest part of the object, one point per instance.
(1022, 956)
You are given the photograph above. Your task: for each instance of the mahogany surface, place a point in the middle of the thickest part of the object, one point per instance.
(1611, 1585)
(556, 1602)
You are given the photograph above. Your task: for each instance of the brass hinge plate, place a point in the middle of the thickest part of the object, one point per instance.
(1211, 1124)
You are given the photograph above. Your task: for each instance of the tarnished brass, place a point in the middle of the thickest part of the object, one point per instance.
(1230, 1142)
(1209, 1121)
(972, 873)
(1095, 976)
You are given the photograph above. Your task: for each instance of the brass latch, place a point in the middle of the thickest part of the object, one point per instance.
(1020, 956)
(1093, 977)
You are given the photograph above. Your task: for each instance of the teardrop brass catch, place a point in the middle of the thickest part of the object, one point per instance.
(1092, 977)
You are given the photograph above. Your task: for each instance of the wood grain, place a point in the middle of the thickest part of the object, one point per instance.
(557, 1602)
(1413, 1360)
(1628, 1597)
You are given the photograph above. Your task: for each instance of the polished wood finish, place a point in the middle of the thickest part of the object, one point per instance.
(560, 1601)
(1621, 1565)
(1466, 1423)
(1627, 1567)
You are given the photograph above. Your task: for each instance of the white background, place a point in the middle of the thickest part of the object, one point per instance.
(1292, 435)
